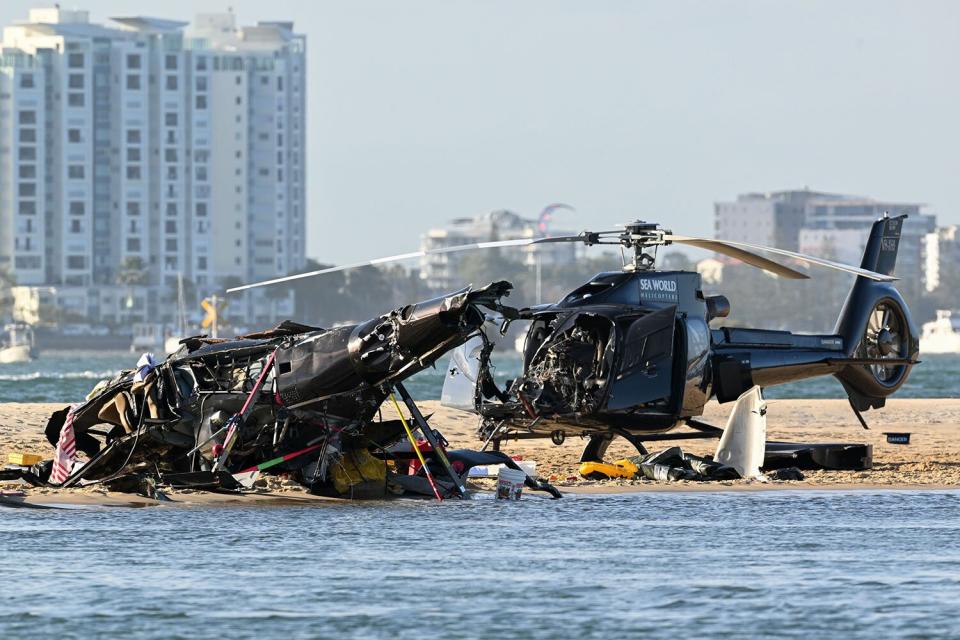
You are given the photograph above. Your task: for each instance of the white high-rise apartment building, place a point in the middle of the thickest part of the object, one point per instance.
(150, 142)
(941, 257)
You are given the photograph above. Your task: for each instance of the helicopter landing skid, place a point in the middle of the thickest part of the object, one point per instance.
(597, 444)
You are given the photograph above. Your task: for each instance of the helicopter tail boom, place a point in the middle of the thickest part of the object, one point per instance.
(871, 351)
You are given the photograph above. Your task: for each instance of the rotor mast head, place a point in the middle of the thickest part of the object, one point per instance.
(640, 235)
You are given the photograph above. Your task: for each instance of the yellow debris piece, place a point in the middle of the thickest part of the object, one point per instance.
(628, 467)
(603, 471)
(355, 467)
(24, 459)
(606, 471)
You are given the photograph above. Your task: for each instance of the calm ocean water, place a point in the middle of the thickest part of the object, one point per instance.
(746, 565)
(67, 376)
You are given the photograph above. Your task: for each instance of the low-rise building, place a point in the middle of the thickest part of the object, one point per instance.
(838, 229)
(828, 225)
(772, 218)
(441, 271)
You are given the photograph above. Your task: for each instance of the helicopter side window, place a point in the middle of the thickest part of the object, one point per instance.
(646, 371)
(642, 345)
(658, 344)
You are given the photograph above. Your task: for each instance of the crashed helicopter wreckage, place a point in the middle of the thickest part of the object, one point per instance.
(295, 399)
(631, 353)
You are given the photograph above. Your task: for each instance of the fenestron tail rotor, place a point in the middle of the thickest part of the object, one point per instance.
(884, 339)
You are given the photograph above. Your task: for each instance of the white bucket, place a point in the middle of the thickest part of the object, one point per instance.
(493, 470)
(510, 483)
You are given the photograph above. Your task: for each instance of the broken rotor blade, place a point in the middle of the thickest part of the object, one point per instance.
(727, 247)
(587, 237)
(740, 254)
(521, 242)
(320, 272)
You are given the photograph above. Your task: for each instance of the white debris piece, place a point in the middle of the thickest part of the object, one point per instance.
(743, 443)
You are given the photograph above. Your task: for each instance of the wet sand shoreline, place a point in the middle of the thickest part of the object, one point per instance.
(930, 462)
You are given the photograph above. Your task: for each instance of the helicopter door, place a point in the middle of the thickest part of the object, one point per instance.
(645, 372)
(460, 380)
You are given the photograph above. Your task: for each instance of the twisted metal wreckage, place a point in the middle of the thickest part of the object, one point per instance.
(295, 399)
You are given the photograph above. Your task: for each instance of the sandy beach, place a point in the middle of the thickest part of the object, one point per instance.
(930, 461)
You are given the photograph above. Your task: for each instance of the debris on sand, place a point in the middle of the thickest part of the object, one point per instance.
(668, 465)
(673, 464)
(295, 401)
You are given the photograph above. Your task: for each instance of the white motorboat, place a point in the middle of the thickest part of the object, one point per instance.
(17, 344)
(159, 338)
(147, 337)
(943, 334)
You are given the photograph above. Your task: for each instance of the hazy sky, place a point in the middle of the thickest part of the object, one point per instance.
(421, 111)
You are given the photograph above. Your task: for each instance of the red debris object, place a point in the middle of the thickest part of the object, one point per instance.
(415, 465)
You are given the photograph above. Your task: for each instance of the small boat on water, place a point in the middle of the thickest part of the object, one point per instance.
(943, 334)
(147, 336)
(17, 344)
(160, 338)
(155, 338)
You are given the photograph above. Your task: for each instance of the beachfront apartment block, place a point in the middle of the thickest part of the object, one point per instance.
(155, 147)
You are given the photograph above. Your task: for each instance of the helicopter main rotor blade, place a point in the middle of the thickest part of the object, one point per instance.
(521, 242)
(731, 248)
(740, 254)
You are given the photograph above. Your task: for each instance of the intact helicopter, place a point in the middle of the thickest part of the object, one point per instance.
(632, 353)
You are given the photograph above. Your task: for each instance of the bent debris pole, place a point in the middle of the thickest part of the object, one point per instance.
(295, 399)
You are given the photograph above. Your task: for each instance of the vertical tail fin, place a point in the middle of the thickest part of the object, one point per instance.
(880, 254)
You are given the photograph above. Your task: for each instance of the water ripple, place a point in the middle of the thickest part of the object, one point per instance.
(792, 565)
